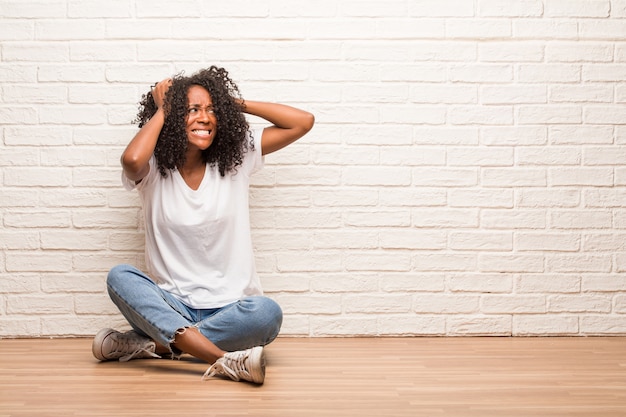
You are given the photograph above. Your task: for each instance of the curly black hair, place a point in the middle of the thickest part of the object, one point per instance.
(230, 143)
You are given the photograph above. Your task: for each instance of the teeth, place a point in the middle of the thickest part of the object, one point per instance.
(202, 132)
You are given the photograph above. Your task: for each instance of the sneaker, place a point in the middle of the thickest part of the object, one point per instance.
(110, 344)
(247, 365)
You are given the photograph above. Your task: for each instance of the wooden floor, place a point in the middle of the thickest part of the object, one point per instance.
(504, 377)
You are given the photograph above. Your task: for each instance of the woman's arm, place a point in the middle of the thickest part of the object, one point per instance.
(289, 123)
(136, 157)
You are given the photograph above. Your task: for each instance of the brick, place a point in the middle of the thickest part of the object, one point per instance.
(341, 325)
(579, 52)
(69, 29)
(578, 219)
(513, 94)
(511, 52)
(342, 239)
(295, 325)
(478, 29)
(275, 284)
(94, 9)
(83, 325)
(512, 304)
(309, 303)
(579, 304)
(605, 115)
(439, 262)
(19, 283)
(545, 325)
(411, 325)
(406, 156)
(545, 29)
(412, 282)
(476, 325)
(545, 198)
(35, 52)
(386, 218)
(476, 73)
(345, 198)
(318, 261)
(581, 176)
(479, 156)
(441, 8)
(73, 283)
(550, 156)
(448, 218)
(580, 263)
(504, 8)
(385, 304)
(378, 261)
(356, 154)
(413, 197)
(33, 9)
(39, 304)
(446, 304)
(603, 72)
(545, 242)
(580, 135)
(42, 262)
(603, 283)
(340, 283)
(377, 176)
(581, 94)
(602, 324)
(549, 73)
(485, 198)
(577, 8)
(482, 115)
(94, 304)
(447, 136)
(479, 283)
(302, 176)
(427, 93)
(513, 177)
(513, 136)
(481, 241)
(549, 115)
(513, 263)
(16, 326)
(548, 283)
(445, 177)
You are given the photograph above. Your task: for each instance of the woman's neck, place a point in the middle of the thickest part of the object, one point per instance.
(193, 171)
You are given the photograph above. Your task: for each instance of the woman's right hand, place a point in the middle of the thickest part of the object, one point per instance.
(159, 90)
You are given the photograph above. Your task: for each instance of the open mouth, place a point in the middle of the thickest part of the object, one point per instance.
(202, 132)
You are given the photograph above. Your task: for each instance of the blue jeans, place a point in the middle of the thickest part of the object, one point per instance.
(155, 313)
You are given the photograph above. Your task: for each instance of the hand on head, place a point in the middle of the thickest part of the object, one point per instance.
(159, 90)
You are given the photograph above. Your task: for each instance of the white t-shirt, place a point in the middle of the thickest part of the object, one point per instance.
(198, 242)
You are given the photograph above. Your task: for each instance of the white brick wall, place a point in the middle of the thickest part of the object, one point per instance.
(464, 176)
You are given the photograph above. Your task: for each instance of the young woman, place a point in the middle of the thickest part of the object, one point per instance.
(191, 163)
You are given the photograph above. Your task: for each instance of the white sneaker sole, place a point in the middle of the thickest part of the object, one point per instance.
(256, 362)
(98, 343)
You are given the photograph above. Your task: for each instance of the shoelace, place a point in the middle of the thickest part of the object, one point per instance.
(138, 351)
(231, 365)
(125, 343)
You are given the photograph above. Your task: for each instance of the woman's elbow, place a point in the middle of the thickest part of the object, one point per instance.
(133, 167)
(308, 122)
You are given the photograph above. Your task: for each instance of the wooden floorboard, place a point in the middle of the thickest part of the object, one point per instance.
(504, 377)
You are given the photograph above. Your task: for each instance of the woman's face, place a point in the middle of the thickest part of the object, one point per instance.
(201, 120)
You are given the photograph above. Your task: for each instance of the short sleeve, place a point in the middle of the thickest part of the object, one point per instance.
(130, 185)
(257, 160)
